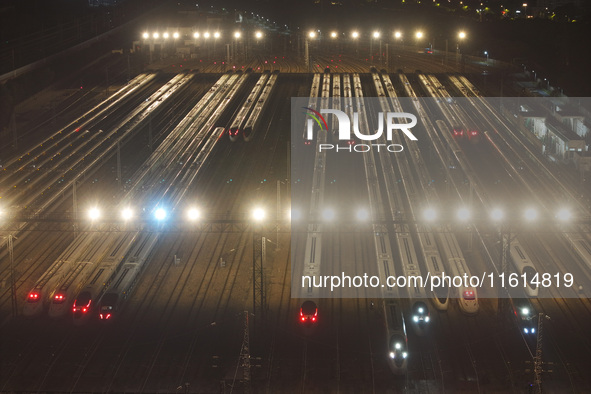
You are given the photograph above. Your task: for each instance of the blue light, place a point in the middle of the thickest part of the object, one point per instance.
(160, 214)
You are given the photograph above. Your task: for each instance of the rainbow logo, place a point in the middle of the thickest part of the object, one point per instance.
(318, 118)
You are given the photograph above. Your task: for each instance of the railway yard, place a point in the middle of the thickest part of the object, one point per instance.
(172, 303)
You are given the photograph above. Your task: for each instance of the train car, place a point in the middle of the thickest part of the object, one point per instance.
(311, 104)
(525, 315)
(458, 132)
(523, 265)
(308, 313)
(467, 296)
(396, 338)
(408, 190)
(581, 246)
(420, 314)
(92, 251)
(255, 117)
(240, 119)
(121, 286)
(42, 293)
(84, 304)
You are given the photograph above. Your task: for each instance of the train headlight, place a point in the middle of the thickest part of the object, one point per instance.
(404, 354)
(533, 330)
(398, 346)
(525, 311)
(525, 330)
(427, 319)
(421, 310)
(415, 318)
(392, 355)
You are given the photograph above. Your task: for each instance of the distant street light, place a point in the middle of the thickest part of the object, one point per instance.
(531, 214)
(355, 35)
(312, 34)
(419, 35)
(175, 35)
(126, 214)
(333, 34)
(430, 214)
(237, 34)
(165, 35)
(160, 214)
(94, 213)
(216, 34)
(398, 35)
(193, 214)
(497, 214)
(156, 35)
(258, 34)
(196, 35)
(206, 34)
(463, 214)
(564, 215)
(146, 35)
(462, 35)
(258, 214)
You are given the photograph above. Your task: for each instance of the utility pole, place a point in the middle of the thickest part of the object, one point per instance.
(12, 278)
(278, 210)
(75, 205)
(13, 127)
(258, 288)
(119, 162)
(538, 357)
(245, 355)
(503, 300)
(306, 55)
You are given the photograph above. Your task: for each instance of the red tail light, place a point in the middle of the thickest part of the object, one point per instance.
(33, 296)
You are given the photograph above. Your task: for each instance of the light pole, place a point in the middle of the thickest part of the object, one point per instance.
(237, 36)
(486, 53)
(355, 36)
(375, 35)
(459, 55)
(418, 36)
(258, 259)
(538, 357)
(216, 35)
(398, 37)
(525, 10)
(311, 35)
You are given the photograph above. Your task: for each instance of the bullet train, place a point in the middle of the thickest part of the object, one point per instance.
(525, 314)
(83, 308)
(240, 119)
(92, 252)
(523, 265)
(121, 286)
(467, 296)
(396, 339)
(42, 294)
